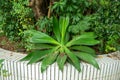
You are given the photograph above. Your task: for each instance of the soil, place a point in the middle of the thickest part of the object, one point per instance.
(5, 43)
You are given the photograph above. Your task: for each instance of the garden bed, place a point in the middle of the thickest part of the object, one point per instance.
(7, 44)
(109, 69)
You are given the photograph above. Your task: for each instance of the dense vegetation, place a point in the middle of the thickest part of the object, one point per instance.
(101, 17)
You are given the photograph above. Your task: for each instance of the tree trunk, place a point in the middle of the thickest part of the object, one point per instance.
(40, 8)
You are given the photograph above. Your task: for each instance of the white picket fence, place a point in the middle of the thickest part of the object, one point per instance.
(109, 69)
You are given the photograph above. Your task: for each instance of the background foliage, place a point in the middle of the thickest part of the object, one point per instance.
(100, 16)
(107, 25)
(15, 17)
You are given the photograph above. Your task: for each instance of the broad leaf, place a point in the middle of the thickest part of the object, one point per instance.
(88, 58)
(40, 37)
(37, 55)
(85, 41)
(83, 37)
(63, 24)
(88, 35)
(48, 61)
(73, 58)
(67, 37)
(28, 57)
(70, 62)
(43, 46)
(84, 49)
(61, 61)
(56, 29)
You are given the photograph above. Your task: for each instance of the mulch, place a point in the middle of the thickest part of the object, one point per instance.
(5, 43)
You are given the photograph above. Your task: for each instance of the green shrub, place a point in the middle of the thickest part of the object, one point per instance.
(107, 26)
(45, 24)
(16, 18)
(75, 9)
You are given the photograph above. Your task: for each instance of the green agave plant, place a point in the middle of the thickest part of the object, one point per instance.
(60, 48)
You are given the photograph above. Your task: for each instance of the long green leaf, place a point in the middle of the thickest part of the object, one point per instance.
(73, 58)
(61, 61)
(88, 35)
(70, 62)
(84, 39)
(56, 28)
(43, 46)
(88, 58)
(63, 24)
(84, 49)
(67, 37)
(37, 55)
(39, 37)
(48, 61)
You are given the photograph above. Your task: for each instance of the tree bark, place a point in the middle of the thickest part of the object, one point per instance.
(40, 8)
